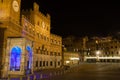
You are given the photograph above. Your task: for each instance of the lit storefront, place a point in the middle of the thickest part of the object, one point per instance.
(71, 58)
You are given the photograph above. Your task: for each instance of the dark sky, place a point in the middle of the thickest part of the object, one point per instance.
(70, 17)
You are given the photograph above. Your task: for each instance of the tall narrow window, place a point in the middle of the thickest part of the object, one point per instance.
(43, 63)
(51, 63)
(36, 63)
(29, 53)
(46, 63)
(59, 63)
(40, 63)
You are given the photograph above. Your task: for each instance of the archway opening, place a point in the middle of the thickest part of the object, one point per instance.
(29, 62)
(15, 58)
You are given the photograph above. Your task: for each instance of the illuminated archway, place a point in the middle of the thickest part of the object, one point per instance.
(29, 62)
(15, 58)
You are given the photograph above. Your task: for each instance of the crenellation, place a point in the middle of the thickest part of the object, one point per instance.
(48, 16)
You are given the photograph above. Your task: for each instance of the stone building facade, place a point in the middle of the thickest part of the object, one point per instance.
(26, 40)
(72, 50)
(94, 49)
(71, 58)
(103, 49)
(55, 50)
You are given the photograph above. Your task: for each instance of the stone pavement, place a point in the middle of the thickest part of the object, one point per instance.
(44, 74)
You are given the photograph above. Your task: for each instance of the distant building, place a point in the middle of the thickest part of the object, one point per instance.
(55, 51)
(94, 49)
(26, 42)
(72, 43)
(103, 49)
(71, 58)
(73, 49)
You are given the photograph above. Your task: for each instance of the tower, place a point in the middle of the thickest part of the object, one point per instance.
(10, 10)
(9, 21)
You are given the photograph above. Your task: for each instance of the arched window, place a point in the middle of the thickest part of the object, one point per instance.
(29, 50)
(15, 58)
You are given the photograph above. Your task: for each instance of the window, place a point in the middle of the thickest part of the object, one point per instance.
(58, 54)
(43, 63)
(36, 63)
(51, 53)
(45, 38)
(41, 36)
(40, 63)
(38, 23)
(55, 53)
(117, 53)
(46, 63)
(51, 63)
(37, 51)
(58, 62)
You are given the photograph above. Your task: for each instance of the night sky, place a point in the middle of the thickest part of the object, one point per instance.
(70, 17)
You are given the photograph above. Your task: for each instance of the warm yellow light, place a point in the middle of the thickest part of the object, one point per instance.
(96, 42)
(102, 57)
(74, 58)
(67, 62)
(98, 52)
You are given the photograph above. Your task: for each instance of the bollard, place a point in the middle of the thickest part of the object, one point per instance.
(58, 73)
(61, 72)
(41, 76)
(21, 78)
(34, 77)
(50, 74)
(28, 77)
(64, 72)
(8, 78)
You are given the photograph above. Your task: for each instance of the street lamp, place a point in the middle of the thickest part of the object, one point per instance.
(97, 55)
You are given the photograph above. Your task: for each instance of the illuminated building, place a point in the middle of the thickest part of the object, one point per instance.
(95, 49)
(26, 40)
(55, 50)
(103, 49)
(71, 58)
(73, 47)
